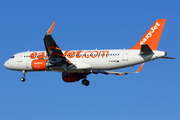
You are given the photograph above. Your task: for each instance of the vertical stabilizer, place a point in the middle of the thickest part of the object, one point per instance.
(152, 36)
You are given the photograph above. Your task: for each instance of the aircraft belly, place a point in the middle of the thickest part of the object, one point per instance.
(101, 63)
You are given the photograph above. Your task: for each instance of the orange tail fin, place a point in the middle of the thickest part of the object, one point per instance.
(152, 36)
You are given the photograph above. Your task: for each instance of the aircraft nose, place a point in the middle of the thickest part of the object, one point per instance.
(7, 65)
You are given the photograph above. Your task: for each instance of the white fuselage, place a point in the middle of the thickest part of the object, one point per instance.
(84, 59)
(78, 64)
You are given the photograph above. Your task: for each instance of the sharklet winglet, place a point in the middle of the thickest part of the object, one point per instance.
(51, 28)
(140, 68)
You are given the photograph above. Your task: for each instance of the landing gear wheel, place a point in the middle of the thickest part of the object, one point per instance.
(85, 82)
(22, 79)
(65, 74)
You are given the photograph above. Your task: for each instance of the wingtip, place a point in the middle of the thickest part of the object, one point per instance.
(51, 28)
(140, 68)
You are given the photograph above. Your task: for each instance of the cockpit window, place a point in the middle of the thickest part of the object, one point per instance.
(12, 56)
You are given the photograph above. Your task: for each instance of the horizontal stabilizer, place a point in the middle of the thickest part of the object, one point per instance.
(145, 50)
(167, 58)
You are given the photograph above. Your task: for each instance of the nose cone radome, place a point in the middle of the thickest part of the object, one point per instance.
(7, 65)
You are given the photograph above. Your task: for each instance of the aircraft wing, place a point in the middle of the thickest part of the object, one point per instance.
(53, 51)
(119, 73)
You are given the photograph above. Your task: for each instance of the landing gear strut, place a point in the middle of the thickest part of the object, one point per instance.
(23, 78)
(85, 82)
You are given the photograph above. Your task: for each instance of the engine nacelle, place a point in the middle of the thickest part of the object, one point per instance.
(40, 64)
(73, 77)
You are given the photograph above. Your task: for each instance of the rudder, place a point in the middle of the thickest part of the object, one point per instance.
(152, 36)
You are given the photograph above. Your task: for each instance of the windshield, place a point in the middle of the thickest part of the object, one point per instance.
(12, 56)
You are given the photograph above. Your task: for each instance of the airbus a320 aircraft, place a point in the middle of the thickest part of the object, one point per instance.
(78, 64)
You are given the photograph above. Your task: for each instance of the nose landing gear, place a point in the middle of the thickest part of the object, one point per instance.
(23, 78)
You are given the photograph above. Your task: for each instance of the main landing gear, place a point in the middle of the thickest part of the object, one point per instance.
(85, 82)
(23, 78)
(72, 77)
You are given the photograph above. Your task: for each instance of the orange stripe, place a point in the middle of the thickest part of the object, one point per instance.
(58, 54)
(119, 74)
(51, 28)
(68, 62)
(57, 48)
(140, 68)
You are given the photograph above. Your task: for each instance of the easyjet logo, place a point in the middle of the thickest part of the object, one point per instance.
(86, 54)
(38, 63)
(72, 54)
(38, 55)
(150, 33)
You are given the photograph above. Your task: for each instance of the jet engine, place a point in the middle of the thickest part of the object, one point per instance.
(40, 64)
(73, 77)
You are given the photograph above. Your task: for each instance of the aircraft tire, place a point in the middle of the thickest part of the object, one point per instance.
(22, 79)
(85, 82)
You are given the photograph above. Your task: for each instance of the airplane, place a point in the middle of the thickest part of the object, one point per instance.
(76, 65)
